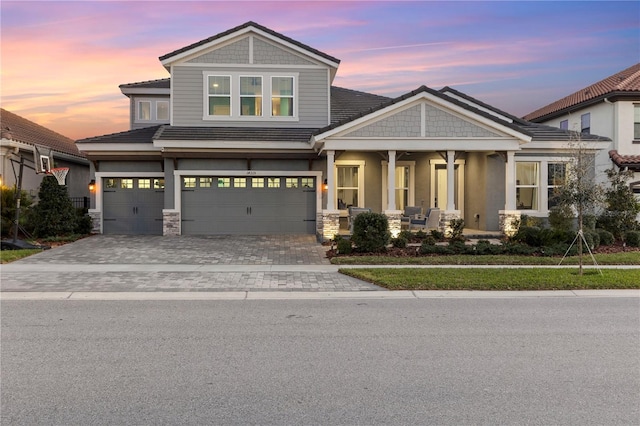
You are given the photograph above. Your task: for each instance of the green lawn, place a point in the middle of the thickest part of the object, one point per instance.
(625, 258)
(496, 278)
(7, 256)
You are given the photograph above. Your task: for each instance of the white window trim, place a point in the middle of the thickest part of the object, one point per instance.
(543, 186)
(294, 96)
(349, 163)
(153, 110)
(235, 97)
(240, 95)
(412, 181)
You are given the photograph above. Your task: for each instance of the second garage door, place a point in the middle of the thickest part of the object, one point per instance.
(248, 205)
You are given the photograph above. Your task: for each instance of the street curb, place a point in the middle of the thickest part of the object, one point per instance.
(310, 295)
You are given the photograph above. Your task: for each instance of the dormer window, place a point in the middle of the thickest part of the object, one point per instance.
(250, 97)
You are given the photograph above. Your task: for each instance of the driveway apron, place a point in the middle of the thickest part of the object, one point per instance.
(104, 263)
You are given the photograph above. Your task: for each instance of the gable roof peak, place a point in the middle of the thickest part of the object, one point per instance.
(245, 26)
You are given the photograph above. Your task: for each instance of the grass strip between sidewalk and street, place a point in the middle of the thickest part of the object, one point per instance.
(7, 256)
(496, 278)
(623, 258)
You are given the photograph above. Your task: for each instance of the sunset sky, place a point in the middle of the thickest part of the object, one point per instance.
(62, 61)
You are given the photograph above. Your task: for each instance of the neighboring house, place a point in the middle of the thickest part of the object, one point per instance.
(610, 107)
(20, 136)
(249, 136)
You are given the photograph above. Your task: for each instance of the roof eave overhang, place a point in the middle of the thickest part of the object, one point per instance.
(127, 91)
(179, 57)
(568, 145)
(232, 144)
(128, 148)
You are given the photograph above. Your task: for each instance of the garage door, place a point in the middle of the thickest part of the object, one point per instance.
(248, 205)
(133, 206)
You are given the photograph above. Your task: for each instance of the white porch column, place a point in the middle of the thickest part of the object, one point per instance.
(451, 159)
(331, 188)
(510, 182)
(391, 181)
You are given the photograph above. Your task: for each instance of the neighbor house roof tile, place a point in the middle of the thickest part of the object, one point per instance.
(623, 82)
(17, 128)
(630, 161)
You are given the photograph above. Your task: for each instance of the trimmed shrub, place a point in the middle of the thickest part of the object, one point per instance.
(592, 238)
(457, 226)
(371, 232)
(84, 224)
(421, 235)
(434, 249)
(606, 237)
(429, 241)
(632, 238)
(399, 242)
(344, 246)
(407, 235)
(437, 235)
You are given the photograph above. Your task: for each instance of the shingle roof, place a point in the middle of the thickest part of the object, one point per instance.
(22, 130)
(630, 161)
(346, 103)
(241, 27)
(144, 135)
(626, 82)
(163, 83)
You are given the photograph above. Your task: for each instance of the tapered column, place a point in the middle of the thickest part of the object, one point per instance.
(451, 159)
(391, 181)
(331, 187)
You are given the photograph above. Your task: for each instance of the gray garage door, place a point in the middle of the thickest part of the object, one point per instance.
(133, 205)
(248, 205)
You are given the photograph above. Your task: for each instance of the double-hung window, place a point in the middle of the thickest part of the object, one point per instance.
(349, 180)
(219, 95)
(556, 178)
(152, 110)
(527, 183)
(239, 96)
(282, 96)
(251, 96)
(144, 110)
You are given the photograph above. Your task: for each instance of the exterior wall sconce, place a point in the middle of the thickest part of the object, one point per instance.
(92, 185)
(325, 186)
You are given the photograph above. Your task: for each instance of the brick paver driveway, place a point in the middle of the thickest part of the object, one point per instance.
(184, 263)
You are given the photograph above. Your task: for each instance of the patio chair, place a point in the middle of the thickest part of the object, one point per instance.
(409, 212)
(353, 212)
(431, 220)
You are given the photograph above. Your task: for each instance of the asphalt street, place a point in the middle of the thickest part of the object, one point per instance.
(449, 361)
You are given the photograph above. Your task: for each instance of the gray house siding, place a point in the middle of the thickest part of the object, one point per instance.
(188, 98)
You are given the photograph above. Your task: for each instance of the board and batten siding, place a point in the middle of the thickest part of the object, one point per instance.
(188, 97)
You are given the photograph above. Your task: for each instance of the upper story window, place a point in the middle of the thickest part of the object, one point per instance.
(282, 96)
(585, 123)
(152, 110)
(564, 124)
(250, 97)
(636, 122)
(219, 95)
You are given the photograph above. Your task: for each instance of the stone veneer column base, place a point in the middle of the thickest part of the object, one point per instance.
(96, 221)
(394, 217)
(445, 220)
(509, 221)
(170, 222)
(330, 225)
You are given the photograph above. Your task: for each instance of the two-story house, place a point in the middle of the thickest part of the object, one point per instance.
(611, 108)
(248, 135)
